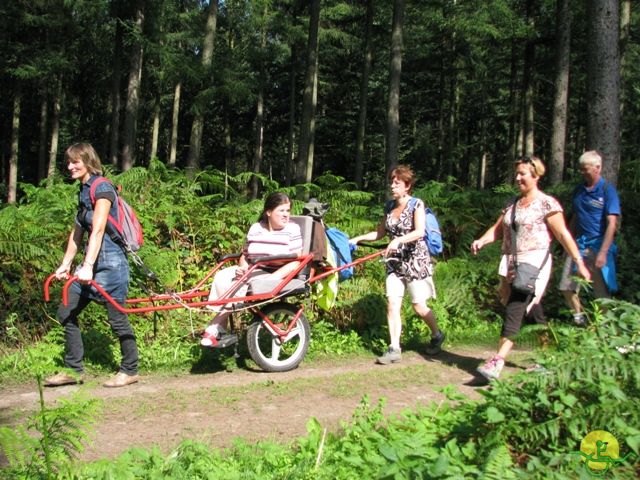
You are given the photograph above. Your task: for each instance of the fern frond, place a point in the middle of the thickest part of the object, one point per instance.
(498, 464)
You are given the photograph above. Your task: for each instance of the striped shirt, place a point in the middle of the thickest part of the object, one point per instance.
(261, 241)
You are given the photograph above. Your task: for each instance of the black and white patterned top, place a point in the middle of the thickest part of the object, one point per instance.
(413, 259)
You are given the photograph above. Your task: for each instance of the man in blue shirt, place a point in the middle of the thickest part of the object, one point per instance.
(596, 210)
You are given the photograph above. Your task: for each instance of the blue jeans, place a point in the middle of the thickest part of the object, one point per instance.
(111, 272)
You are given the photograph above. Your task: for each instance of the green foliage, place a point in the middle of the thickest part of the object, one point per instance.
(526, 426)
(188, 224)
(46, 445)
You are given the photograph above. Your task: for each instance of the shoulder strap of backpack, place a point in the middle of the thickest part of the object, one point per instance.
(113, 228)
(388, 206)
(94, 186)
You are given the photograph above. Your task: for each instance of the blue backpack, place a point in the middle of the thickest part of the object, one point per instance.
(432, 232)
(340, 245)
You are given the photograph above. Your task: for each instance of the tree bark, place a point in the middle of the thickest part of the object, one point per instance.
(560, 105)
(133, 92)
(175, 118)
(229, 164)
(12, 184)
(55, 132)
(514, 104)
(307, 121)
(259, 122)
(603, 84)
(395, 70)
(625, 35)
(527, 88)
(291, 137)
(42, 144)
(114, 131)
(195, 142)
(364, 93)
(155, 128)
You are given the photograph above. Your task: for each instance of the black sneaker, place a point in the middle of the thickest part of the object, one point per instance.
(226, 340)
(579, 319)
(435, 345)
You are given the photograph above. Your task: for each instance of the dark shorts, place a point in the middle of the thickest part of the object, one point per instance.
(517, 312)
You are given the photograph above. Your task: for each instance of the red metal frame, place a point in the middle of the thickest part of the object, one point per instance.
(275, 329)
(187, 299)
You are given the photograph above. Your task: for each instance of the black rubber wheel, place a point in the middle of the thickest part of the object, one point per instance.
(268, 350)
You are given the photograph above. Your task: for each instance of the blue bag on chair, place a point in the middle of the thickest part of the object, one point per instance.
(340, 245)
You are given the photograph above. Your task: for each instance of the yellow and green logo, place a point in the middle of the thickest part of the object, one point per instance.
(600, 451)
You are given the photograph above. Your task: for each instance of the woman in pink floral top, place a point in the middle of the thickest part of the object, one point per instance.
(538, 216)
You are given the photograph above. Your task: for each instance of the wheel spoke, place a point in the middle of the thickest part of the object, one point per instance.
(275, 349)
(293, 333)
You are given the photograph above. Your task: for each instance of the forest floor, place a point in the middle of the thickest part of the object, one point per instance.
(216, 408)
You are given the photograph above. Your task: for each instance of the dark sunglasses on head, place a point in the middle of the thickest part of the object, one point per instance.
(525, 159)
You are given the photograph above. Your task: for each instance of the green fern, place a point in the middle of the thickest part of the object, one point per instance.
(498, 465)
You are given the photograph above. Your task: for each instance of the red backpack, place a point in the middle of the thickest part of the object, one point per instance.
(127, 225)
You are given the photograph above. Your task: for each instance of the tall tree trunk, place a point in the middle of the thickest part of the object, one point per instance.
(603, 84)
(195, 142)
(259, 139)
(259, 122)
(442, 113)
(133, 93)
(364, 94)
(463, 169)
(55, 132)
(12, 184)
(560, 105)
(291, 136)
(450, 159)
(155, 128)
(395, 69)
(114, 130)
(625, 35)
(229, 164)
(514, 107)
(307, 121)
(529, 62)
(175, 118)
(522, 125)
(452, 140)
(42, 144)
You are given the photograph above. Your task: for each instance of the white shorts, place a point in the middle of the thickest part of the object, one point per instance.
(420, 290)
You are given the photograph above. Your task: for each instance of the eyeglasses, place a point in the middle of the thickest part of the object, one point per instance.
(525, 159)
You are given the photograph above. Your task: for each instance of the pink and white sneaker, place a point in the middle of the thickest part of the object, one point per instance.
(491, 368)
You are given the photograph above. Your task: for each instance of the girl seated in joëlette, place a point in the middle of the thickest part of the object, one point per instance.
(273, 234)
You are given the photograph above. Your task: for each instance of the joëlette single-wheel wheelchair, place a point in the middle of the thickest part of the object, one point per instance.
(278, 333)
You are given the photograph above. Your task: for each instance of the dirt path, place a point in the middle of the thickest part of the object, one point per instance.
(217, 407)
